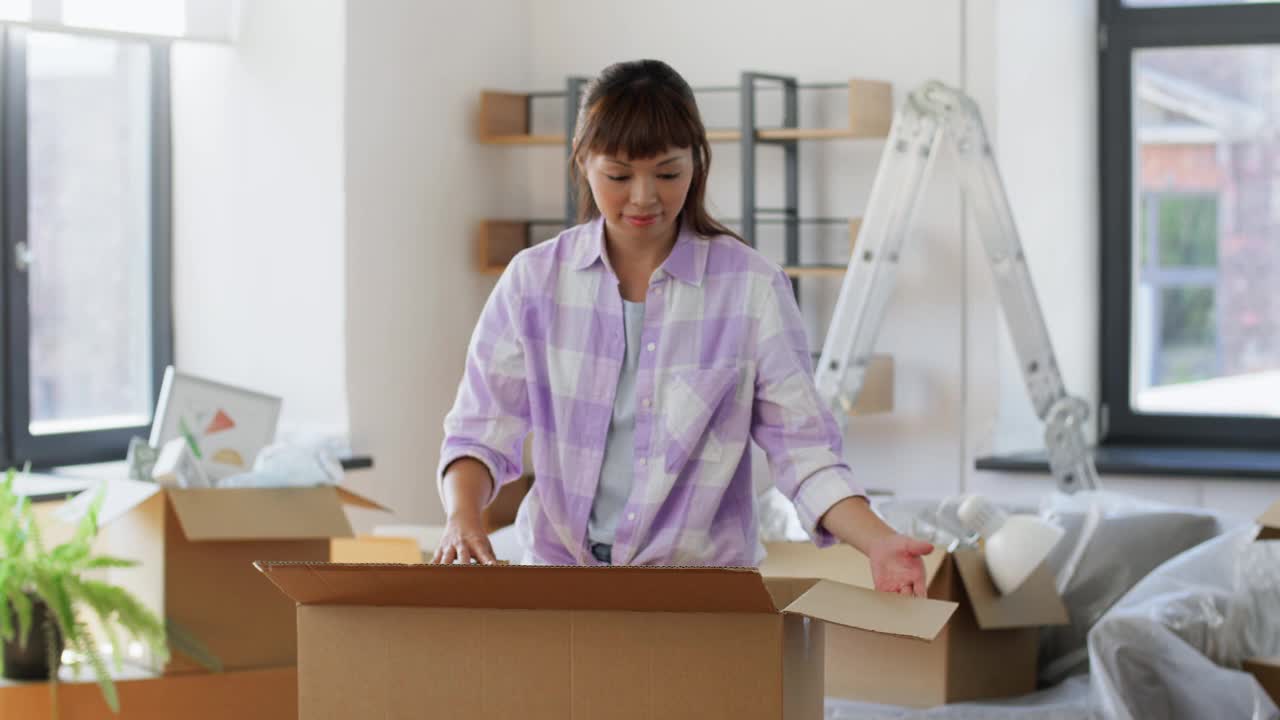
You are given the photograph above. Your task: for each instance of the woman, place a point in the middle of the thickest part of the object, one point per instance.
(645, 348)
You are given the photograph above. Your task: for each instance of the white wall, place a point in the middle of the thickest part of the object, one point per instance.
(417, 184)
(259, 276)
(1047, 112)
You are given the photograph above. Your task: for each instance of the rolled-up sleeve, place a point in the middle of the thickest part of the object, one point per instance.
(490, 415)
(790, 422)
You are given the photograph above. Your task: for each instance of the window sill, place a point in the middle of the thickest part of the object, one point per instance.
(1164, 461)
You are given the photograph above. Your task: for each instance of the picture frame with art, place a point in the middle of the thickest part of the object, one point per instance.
(224, 426)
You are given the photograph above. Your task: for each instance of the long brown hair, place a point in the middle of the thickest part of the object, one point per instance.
(643, 107)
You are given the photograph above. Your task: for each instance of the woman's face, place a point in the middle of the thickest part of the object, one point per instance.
(640, 199)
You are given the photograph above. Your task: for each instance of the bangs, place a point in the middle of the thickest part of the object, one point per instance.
(641, 121)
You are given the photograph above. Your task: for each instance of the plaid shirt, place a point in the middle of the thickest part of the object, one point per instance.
(723, 360)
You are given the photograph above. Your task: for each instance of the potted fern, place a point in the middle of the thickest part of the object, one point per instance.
(45, 598)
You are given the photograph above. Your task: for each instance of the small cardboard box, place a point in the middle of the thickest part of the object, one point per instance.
(987, 650)
(547, 643)
(1270, 522)
(196, 549)
(1267, 671)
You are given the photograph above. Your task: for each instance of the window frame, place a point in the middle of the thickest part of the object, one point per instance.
(1122, 30)
(19, 445)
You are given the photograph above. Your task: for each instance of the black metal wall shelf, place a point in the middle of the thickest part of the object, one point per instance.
(505, 119)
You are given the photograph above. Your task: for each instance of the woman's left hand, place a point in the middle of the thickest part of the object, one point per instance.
(896, 565)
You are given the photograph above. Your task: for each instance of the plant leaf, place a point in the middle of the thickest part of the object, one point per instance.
(6, 619)
(21, 605)
(185, 642)
(107, 561)
(117, 607)
(85, 646)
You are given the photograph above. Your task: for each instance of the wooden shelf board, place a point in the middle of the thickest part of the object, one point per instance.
(724, 135)
(522, 140)
(715, 136)
(497, 241)
(503, 115)
(877, 388)
(808, 134)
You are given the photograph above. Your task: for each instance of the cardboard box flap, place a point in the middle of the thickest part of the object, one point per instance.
(1267, 672)
(786, 590)
(357, 500)
(259, 513)
(1035, 603)
(839, 562)
(1270, 522)
(865, 609)
(523, 587)
(1267, 663)
(119, 496)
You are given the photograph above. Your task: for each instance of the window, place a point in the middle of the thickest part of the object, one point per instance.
(85, 242)
(1176, 342)
(1190, 168)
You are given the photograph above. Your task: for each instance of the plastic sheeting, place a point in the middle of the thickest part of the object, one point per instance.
(1171, 648)
(1125, 539)
(285, 465)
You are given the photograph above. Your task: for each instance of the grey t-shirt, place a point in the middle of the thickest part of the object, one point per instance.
(620, 446)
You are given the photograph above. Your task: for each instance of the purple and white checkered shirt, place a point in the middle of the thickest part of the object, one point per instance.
(723, 360)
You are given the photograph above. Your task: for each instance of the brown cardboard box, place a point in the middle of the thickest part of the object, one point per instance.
(1270, 522)
(1267, 671)
(987, 650)
(547, 643)
(196, 549)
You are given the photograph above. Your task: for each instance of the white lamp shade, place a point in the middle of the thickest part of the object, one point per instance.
(1017, 549)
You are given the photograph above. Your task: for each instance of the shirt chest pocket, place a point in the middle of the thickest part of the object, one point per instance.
(689, 401)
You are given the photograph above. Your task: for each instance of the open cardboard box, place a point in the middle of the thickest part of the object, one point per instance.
(987, 650)
(1270, 523)
(196, 549)
(540, 642)
(1267, 669)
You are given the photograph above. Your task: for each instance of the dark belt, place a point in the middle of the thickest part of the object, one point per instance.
(602, 552)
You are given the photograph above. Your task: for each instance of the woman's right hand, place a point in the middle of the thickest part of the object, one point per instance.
(464, 541)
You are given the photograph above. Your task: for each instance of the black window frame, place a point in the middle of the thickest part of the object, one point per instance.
(17, 444)
(1122, 30)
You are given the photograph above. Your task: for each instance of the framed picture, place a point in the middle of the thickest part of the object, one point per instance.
(224, 426)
